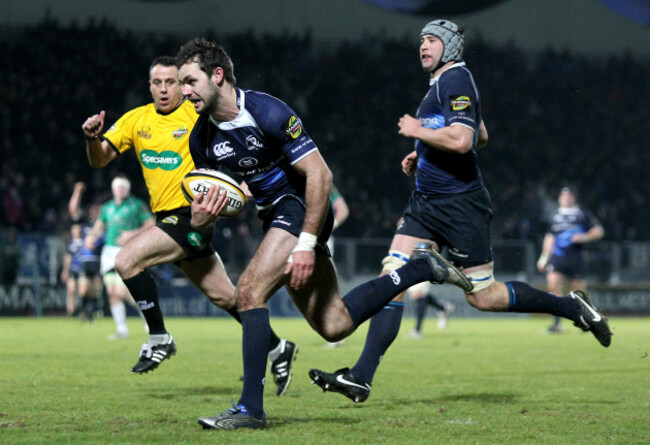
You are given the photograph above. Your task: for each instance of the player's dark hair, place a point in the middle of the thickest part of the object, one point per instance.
(209, 56)
(163, 61)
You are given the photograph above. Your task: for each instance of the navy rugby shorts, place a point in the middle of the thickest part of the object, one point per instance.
(90, 268)
(289, 214)
(571, 265)
(461, 222)
(178, 224)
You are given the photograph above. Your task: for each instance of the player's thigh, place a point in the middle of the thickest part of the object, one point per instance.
(406, 243)
(321, 303)
(71, 285)
(556, 282)
(149, 248)
(265, 272)
(82, 284)
(578, 283)
(209, 275)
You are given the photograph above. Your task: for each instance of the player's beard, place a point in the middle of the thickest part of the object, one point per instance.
(211, 101)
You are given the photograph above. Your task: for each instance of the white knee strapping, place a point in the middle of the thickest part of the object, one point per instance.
(481, 279)
(394, 260)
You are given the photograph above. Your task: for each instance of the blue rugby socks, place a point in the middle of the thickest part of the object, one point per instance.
(420, 312)
(525, 298)
(275, 340)
(384, 327)
(255, 347)
(369, 298)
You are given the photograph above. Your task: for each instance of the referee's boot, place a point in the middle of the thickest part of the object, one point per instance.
(281, 365)
(152, 355)
(443, 270)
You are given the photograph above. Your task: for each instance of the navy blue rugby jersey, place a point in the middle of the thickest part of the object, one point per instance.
(75, 249)
(452, 99)
(566, 222)
(260, 145)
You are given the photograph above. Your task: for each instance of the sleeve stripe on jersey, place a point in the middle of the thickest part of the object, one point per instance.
(310, 151)
(112, 145)
(464, 125)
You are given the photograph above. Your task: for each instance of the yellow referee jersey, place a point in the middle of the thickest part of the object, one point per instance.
(161, 144)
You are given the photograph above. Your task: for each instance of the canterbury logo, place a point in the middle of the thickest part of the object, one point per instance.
(222, 148)
(395, 277)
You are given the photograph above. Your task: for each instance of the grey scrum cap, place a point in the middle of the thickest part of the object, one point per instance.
(451, 36)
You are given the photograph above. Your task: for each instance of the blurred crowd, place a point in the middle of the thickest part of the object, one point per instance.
(554, 119)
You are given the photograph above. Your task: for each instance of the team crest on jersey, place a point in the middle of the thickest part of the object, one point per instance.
(145, 132)
(247, 162)
(179, 133)
(173, 219)
(293, 127)
(460, 103)
(252, 143)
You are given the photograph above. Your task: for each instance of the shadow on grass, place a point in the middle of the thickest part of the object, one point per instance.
(281, 422)
(484, 397)
(193, 391)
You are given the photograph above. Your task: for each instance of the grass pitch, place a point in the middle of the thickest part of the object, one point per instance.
(487, 381)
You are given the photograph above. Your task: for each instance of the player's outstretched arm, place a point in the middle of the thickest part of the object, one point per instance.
(74, 205)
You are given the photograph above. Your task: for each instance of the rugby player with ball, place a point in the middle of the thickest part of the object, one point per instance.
(159, 133)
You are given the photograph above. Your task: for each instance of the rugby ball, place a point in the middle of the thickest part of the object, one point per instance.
(200, 180)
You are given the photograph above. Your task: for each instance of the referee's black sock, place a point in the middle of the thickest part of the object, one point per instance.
(525, 298)
(145, 293)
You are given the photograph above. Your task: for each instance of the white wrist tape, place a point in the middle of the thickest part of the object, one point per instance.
(306, 243)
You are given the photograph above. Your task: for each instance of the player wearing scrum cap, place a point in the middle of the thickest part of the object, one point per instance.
(120, 219)
(159, 133)
(450, 207)
(261, 139)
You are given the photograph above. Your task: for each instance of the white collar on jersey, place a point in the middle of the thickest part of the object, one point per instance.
(455, 65)
(243, 119)
(569, 210)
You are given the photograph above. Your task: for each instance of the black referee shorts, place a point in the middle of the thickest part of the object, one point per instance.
(178, 224)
